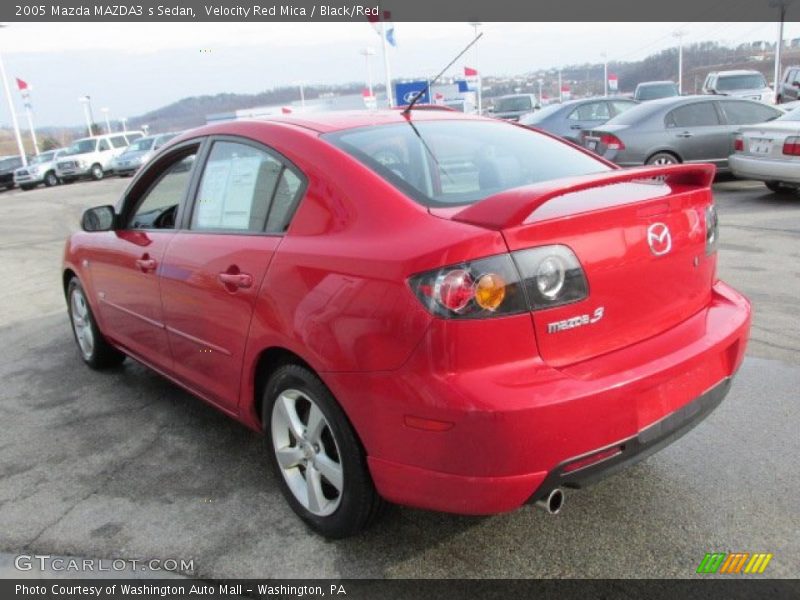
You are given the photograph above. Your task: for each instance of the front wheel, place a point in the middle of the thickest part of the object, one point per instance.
(97, 172)
(777, 187)
(318, 461)
(663, 158)
(95, 350)
(50, 179)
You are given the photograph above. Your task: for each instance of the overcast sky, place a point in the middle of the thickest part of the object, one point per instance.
(135, 67)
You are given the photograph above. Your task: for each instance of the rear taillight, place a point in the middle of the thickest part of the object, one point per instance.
(502, 285)
(738, 144)
(712, 229)
(791, 145)
(611, 142)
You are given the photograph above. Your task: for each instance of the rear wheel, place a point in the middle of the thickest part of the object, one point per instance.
(777, 187)
(97, 172)
(317, 459)
(663, 158)
(94, 349)
(50, 179)
(26, 187)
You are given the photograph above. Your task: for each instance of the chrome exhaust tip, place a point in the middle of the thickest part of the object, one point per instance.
(553, 502)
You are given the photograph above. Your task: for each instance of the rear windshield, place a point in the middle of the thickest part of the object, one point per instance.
(443, 163)
(636, 114)
(540, 115)
(792, 115)
(729, 83)
(652, 92)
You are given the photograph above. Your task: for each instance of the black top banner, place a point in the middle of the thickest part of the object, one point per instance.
(400, 10)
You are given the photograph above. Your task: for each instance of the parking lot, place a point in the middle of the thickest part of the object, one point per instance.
(123, 464)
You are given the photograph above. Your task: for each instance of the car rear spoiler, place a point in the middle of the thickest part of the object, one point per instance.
(513, 207)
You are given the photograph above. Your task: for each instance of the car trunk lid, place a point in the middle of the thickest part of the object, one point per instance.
(641, 280)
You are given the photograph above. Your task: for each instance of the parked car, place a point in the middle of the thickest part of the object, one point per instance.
(92, 156)
(443, 311)
(138, 153)
(676, 130)
(8, 164)
(789, 87)
(41, 169)
(653, 90)
(750, 85)
(569, 118)
(769, 152)
(513, 106)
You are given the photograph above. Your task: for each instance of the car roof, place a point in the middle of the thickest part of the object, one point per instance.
(325, 122)
(663, 82)
(736, 72)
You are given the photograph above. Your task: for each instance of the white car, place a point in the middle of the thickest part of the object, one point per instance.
(747, 84)
(42, 169)
(769, 152)
(92, 156)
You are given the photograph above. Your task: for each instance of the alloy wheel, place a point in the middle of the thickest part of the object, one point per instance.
(307, 452)
(82, 323)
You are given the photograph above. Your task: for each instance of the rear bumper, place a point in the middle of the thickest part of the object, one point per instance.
(503, 433)
(763, 169)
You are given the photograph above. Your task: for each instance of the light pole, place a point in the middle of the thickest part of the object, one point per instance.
(300, 84)
(605, 73)
(475, 26)
(367, 53)
(781, 5)
(124, 121)
(105, 110)
(679, 35)
(540, 81)
(87, 112)
(560, 87)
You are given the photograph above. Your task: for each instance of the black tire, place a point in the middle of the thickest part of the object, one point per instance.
(67, 180)
(97, 172)
(359, 503)
(10, 186)
(27, 187)
(103, 355)
(50, 179)
(663, 158)
(777, 187)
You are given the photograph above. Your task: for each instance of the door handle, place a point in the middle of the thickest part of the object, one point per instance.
(576, 126)
(146, 263)
(236, 280)
(685, 134)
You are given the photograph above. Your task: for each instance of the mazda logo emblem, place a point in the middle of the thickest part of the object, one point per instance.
(659, 239)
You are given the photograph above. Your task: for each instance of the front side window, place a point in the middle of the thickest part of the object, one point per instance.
(456, 162)
(747, 113)
(700, 114)
(244, 188)
(82, 147)
(158, 206)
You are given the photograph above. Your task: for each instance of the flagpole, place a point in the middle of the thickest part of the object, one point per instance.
(30, 127)
(14, 121)
(389, 95)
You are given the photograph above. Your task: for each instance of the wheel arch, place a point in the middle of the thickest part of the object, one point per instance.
(268, 361)
(66, 277)
(670, 151)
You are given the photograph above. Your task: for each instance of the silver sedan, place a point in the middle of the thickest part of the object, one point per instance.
(770, 152)
(676, 130)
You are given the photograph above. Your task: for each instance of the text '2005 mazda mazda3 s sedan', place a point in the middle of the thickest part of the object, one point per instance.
(422, 307)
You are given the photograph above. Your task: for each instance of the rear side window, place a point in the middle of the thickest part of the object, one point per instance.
(244, 188)
(747, 113)
(593, 111)
(699, 114)
(456, 162)
(103, 146)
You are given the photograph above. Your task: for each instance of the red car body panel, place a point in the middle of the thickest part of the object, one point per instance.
(466, 416)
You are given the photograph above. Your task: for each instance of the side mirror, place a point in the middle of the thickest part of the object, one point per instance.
(99, 218)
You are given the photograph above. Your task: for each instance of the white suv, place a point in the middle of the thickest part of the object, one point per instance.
(92, 156)
(750, 85)
(41, 169)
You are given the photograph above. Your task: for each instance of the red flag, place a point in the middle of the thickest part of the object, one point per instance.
(22, 85)
(286, 110)
(469, 72)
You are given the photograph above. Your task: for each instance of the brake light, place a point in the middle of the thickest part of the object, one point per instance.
(506, 284)
(791, 145)
(738, 144)
(611, 142)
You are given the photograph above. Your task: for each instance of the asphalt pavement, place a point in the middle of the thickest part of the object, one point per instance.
(123, 464)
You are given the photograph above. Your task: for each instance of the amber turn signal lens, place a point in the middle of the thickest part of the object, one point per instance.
(490, 289)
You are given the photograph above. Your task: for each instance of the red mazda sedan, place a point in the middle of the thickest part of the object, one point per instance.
(426, 308)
